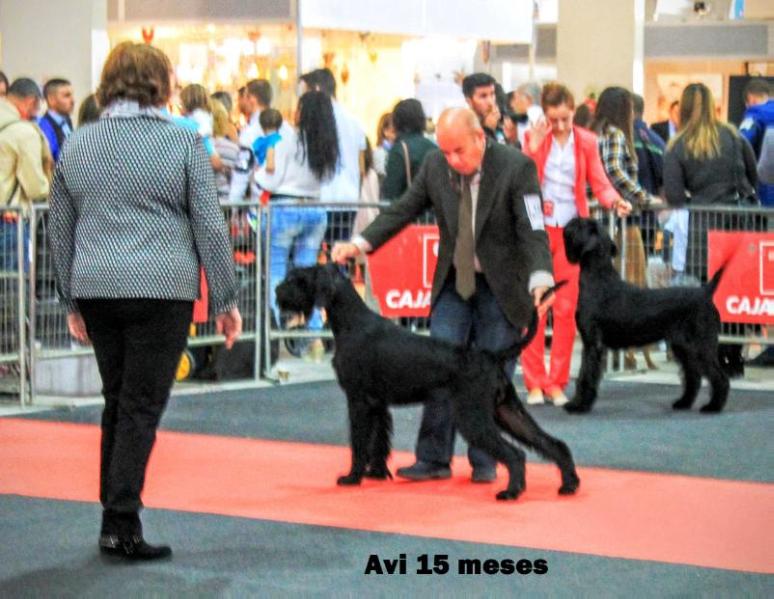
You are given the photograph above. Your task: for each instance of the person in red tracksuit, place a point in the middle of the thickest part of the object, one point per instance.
(567, 159)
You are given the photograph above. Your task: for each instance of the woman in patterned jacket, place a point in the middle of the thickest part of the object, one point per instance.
(134, 213)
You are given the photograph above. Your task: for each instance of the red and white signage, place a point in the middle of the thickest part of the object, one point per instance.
(402, 271)
(746, 291)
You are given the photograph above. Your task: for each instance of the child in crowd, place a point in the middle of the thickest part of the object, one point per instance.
(263, 147)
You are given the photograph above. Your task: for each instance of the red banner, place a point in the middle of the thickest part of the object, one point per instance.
(402, 271)
(746, 291)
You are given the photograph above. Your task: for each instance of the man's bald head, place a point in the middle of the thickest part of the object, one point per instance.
(458, 119)
(461, 139)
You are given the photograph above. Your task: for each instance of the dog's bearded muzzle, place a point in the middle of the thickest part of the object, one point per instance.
(293, 300)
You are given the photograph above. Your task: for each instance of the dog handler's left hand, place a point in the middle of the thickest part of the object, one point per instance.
(542, 306)
(343, 251)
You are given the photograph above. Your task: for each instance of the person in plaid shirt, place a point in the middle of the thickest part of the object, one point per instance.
(613, 124)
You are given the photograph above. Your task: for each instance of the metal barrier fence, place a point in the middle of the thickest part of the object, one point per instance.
(47, 319)
(342, 220)
(662, 249)
(13, 330)
(665, 247)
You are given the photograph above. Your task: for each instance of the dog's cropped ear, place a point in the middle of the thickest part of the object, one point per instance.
(325, 283)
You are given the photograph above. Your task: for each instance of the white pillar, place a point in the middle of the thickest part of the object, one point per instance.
(42, 39)
(600, 43)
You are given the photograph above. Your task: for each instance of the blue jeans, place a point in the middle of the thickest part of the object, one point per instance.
(9, 255)
(481, 323)
(296, 232)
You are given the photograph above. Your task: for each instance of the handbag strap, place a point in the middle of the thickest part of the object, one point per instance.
(406, 162)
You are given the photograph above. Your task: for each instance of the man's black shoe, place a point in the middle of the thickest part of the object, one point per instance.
(484, 475)
(424, 471)
(133, 548)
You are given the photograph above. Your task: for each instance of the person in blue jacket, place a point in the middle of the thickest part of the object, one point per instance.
(56, 124)
(759, 117)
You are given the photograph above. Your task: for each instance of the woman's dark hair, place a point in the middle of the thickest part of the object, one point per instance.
(4, 80)
(502, 100)
(615, 108)
(136, 72)
(408, 117)
(368, 156)
(317, 133)
(89, 110)
(583, 116)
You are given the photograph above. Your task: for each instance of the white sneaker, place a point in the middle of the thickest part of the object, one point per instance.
(557, 396)
(535, 397)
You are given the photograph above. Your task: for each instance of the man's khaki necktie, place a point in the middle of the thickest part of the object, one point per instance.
(464, 248)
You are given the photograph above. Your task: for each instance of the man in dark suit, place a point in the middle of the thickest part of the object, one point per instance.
(494, 264)
(666, 129)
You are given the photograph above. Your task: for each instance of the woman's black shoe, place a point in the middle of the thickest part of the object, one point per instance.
(132, 548)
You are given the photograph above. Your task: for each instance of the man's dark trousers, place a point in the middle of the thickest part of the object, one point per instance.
(480, 322)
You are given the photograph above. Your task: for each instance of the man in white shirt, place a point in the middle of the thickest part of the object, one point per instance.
(257, 98)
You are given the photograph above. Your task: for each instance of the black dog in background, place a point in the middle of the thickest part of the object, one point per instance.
(614, 314)
(378, 364)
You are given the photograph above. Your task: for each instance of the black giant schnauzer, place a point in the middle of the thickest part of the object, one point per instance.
(377, 364)
(614, 314)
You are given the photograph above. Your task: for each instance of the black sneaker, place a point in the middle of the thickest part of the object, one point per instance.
(133, 548)
(424, 471)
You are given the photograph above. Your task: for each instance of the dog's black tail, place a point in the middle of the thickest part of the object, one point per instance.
(514, 350)
(713, 283)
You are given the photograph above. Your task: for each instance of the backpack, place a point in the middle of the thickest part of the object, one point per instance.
(766, 159)
(653, 155)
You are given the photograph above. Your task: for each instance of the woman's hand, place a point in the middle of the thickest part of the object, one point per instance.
(538, 133)
(229, 324)
(78, 327)
(622, 207)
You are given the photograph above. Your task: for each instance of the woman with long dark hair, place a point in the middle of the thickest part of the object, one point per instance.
(614, 125)
(409, 150)
(304, 158)
(317, 135)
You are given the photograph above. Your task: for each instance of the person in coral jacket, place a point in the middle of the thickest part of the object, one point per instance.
(567, 159)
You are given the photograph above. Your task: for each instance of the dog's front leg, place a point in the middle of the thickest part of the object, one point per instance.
(359, 437)
(588, 378)
(379, 447)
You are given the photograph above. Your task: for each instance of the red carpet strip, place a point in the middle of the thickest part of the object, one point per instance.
(619, 514)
